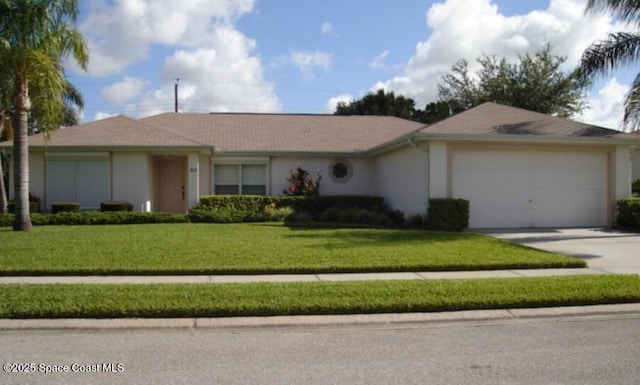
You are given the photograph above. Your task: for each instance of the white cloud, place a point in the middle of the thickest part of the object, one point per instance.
(606, 107)
(307, 62)
(121, 33)
(217, 64)
(378, 61)
(333, 102)
(223, 78)
(328, 29)
(103, 115)
(123, 91)
(467, 29)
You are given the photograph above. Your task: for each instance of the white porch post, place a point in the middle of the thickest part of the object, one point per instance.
(193, 180)
(622, 164)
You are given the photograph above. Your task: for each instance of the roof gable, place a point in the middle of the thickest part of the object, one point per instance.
(112, 132)
(496, 119)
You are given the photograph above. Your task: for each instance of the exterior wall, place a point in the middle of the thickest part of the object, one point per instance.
(635, 165)
(439, 186)
(37, 180)
(132, 179)
(362, 180)
(402, 179)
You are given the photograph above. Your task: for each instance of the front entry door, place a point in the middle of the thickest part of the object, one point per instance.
(172, 185)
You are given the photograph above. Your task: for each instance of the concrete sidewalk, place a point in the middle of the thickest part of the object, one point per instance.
(381, 320)
(606, 252)
(144, 279)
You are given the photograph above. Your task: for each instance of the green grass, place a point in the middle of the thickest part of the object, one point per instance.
(269, 299)
(255, 248)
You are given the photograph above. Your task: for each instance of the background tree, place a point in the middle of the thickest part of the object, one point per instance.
(378, 103)
(617, 50)
(536, 83)
(436, 111)
(35, 37)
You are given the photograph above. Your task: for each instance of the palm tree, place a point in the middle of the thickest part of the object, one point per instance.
(35, 36)
(617, 50)
(3, 193)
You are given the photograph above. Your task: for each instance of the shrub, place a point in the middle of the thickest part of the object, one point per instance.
(7, 220)
(115, 206)
(217, 215)
(302, 183)
(416, 221)
(361, 216)
(318, 204)
(34, 207)
(243, 208)
(98, 218)
(58, 207)
(628, 214)
(277, 214)
(235, 202)
(635, 186)
(448, 214)
(34, 204)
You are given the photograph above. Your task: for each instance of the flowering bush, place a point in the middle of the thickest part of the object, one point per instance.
(302, 183)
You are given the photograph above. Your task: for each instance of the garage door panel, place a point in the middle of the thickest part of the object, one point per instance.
(532, 188)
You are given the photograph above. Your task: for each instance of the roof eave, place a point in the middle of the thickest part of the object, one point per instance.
(577, 140)
(314, 154)
(119, 148)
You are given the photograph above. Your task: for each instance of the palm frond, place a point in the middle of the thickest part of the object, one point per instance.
(601, 58)
(627, 11)
(631, 120)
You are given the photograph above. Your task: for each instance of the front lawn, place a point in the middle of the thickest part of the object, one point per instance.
(255, 248)
(268, 299)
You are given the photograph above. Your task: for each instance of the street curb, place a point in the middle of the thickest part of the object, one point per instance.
(316, 320)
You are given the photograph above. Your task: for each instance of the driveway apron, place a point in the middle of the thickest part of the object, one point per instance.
(606, 250)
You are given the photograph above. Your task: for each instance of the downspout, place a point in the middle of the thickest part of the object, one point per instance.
(425, 176)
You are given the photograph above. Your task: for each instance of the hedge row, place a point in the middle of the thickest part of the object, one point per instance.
(444, 214)
(97, 218)
(313, 205)
(58, 207)
(628, 214)
(360, 209)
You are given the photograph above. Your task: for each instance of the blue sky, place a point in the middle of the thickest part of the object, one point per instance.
(302, 56)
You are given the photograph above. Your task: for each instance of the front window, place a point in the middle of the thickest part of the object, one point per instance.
(240, 179)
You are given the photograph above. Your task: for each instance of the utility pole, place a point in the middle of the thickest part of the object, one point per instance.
(176, 95)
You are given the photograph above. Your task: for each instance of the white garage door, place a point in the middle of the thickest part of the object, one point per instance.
(531, 188)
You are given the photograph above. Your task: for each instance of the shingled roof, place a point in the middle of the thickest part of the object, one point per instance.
(233, 132)
(285, 133)
(497, 119)
(304, 133)
(118, 131)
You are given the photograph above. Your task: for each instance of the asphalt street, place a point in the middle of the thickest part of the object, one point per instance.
(551, 350)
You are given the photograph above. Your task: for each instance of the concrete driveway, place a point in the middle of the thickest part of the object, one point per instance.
(606, 250)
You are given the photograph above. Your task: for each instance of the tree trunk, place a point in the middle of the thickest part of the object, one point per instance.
(21, 159)
(3, 192)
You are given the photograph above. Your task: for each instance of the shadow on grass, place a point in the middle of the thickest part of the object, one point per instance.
(353, 237)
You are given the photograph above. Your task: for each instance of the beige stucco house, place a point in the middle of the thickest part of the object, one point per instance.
(517, 168)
